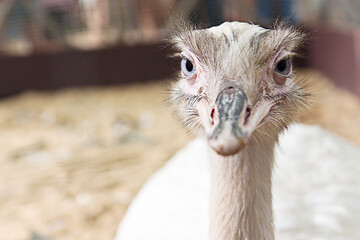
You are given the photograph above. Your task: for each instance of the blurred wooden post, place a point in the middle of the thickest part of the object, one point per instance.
(336, 53)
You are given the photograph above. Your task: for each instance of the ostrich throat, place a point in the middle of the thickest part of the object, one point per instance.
(241, 199)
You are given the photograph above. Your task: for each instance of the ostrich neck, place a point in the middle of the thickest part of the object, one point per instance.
(241, 200)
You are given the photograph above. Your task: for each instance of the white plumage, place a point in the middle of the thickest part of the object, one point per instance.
(316, 192)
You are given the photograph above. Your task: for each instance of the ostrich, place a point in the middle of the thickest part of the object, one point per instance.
(238, 86)
(237, 82)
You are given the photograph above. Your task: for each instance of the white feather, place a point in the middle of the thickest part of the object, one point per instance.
(316, 192)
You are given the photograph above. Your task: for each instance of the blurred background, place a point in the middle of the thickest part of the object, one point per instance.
(82, 82)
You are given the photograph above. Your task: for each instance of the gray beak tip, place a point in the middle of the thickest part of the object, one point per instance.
(227, 146)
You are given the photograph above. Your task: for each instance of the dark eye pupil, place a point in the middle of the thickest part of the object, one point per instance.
(281, 66)
(189, 66)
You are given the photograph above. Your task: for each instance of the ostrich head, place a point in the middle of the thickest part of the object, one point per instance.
(237, 82)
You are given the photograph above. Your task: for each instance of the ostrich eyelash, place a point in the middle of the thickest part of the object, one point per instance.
(191, 120)
(184, 55)
(179, 97)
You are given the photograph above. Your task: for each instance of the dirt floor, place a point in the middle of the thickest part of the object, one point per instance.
(73, 160)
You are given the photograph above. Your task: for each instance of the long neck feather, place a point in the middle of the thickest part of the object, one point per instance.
(241, 200)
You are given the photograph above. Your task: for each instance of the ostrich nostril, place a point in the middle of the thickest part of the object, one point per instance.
(212, 113)
(247, 114)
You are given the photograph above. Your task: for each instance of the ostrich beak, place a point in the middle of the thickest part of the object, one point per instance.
(228, 136)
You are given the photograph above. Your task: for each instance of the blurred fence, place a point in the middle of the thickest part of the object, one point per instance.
(69, 35)
(28, 26)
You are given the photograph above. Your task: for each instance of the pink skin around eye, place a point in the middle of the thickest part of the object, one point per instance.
(192, 79)
(195, 84)
(277, 83)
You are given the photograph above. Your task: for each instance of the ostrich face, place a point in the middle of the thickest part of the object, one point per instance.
(237, 82)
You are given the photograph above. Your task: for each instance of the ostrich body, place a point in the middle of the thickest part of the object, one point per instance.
(316, 191)
(238, 86)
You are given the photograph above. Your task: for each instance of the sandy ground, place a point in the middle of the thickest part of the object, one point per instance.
(72, 160)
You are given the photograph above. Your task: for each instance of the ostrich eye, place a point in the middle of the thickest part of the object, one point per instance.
(283, 67)
(282, 70)
(187, 67)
